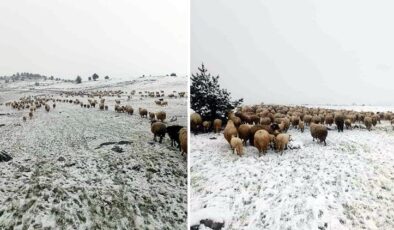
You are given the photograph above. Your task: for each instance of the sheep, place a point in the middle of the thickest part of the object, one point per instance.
(195, 122)
(30, 114)
(307, 119)
(106, 107)
(24, 118)
(236, 145)
(368, 123)
(265, 121)
(54, 105)
(230, 130)
(217, 125)
(374, 120)
(237, 121)
(261, 141)
(295, 120)
(339, 121)
(281, 141)
(244, 132)
(348, 123)
(206, 126)
(101, 106)
(158, 129)
(301, 126)
(160, 116)
(183, 140)
(319, 131)
(164, 103)
(143, 112)
(253, 130)
(173, 133)
(152, 116)
(158, 102)
(47, 108)
(129, 109)
(329, 120)
(316, 119)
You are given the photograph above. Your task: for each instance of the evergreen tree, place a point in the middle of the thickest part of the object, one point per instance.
(95, 77)
(78, 80)
(207, 98)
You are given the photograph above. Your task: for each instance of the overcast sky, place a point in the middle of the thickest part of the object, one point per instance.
(314, 52)
(119, 38)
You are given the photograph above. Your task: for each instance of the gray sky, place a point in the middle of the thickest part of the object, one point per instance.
(297, 51)
(119, 38)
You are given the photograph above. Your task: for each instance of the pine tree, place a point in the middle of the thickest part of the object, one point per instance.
(207, 98)
(78, 80)
(95, 76)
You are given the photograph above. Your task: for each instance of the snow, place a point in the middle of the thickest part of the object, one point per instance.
(144, 186)
(348, 184)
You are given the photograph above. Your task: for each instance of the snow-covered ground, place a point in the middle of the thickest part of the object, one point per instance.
(60, 177)
(348, 184)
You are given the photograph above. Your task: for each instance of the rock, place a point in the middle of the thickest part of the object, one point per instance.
(4, 156)
(211, 224)
(61, 159)
(136, 167)
(117, 149)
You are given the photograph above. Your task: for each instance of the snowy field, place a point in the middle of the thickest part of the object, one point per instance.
(348, 184)
(63, 177)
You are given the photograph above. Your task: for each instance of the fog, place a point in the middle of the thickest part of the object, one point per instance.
(122, 39)
(297, 52)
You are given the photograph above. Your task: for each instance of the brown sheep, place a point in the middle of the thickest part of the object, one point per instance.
(319, 131)
(195, 122)
(217, 125)
(129, 109)
(237, 121)
(329, 120)
(230, 131)
(161, 116)
(281, 141)
(152, 116)
(348, 124)
(316, 119)
(236, 145)
(301, 126)
(143, 112)
(339, 121)
(261, 141)
(374, 120)
(368, 123)
(295, 120)
(253, 130)
(244, 132)
(265, 121)
(158, 129)
(307, 119)
(206, 125)
(183, 140)
(101, 106)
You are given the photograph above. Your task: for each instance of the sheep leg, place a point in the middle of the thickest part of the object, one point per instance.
(154, 138)
(161, 138)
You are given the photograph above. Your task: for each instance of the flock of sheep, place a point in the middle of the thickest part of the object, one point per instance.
(177, 133)
(266, 126)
